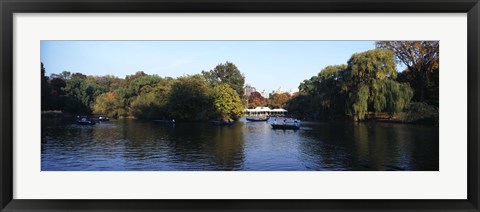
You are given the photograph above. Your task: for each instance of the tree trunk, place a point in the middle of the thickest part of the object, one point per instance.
(420, 87)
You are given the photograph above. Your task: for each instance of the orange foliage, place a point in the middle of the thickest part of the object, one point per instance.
(111, 95)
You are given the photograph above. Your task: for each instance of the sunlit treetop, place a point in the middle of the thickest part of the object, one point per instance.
(372, 64)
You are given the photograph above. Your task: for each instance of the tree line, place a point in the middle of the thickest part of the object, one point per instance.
(369, 86)
(211, 95)
(275, 100)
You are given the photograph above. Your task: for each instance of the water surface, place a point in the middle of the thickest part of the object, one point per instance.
(128, 144)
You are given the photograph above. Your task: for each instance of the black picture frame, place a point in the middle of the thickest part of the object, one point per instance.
(9, 7)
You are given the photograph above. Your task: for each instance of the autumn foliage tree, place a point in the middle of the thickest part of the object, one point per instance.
(278, 100)
(105, 104)
(421, 59)
(256, 100)
(211, 95)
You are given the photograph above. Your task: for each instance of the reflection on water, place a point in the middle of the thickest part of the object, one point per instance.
(250, 146)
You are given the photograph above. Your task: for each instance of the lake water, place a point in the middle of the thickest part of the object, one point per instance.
(128, 144)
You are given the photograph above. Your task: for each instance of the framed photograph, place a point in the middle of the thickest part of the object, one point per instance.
(234, 105)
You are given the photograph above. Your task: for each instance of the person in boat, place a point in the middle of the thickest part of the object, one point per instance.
(295, 123)
(275, 121)
(284, 121)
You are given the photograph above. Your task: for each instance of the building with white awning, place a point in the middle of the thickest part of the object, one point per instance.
(265, 111)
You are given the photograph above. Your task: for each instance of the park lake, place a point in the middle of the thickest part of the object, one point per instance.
(129, 144)
(176, 106)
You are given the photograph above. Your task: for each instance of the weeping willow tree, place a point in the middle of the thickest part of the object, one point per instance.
(366, 85)
(373, 87)
(360, 99)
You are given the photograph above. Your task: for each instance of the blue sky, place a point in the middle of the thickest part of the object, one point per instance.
(265, 64)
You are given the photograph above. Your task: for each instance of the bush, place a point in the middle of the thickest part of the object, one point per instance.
(420, 112)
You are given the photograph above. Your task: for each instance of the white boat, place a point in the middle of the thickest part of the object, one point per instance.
(286, 124)
(257, 118)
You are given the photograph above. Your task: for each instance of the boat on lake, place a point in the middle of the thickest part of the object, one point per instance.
(103, 118)
(286, 124)
(285, 127)
(257, 118)
(85, 121)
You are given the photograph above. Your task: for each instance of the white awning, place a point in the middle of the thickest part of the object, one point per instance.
(266, 109)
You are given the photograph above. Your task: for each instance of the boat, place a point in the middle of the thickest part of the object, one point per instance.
(85, 121)
(285, 126)
(257, 118)
(103, 118)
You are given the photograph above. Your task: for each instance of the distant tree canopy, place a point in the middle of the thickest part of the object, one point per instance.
(226, 73)
(143, 96)
(278, 100)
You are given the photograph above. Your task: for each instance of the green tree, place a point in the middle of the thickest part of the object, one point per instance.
(360, 102)
(330, 95)
(190, 98)
(45, 89)
(399, 96)
(152, 102)
(372, 64)
(126, 97)
(144, 84)
(226, 73)
(322, 96)
(109, 81)
(122, 101)
(52, 90)
(56, 93)
(132, 77)
(147, 106)
(372, 87)
(301, 105)
(74, 96)
(227, 104)
(80, 93)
